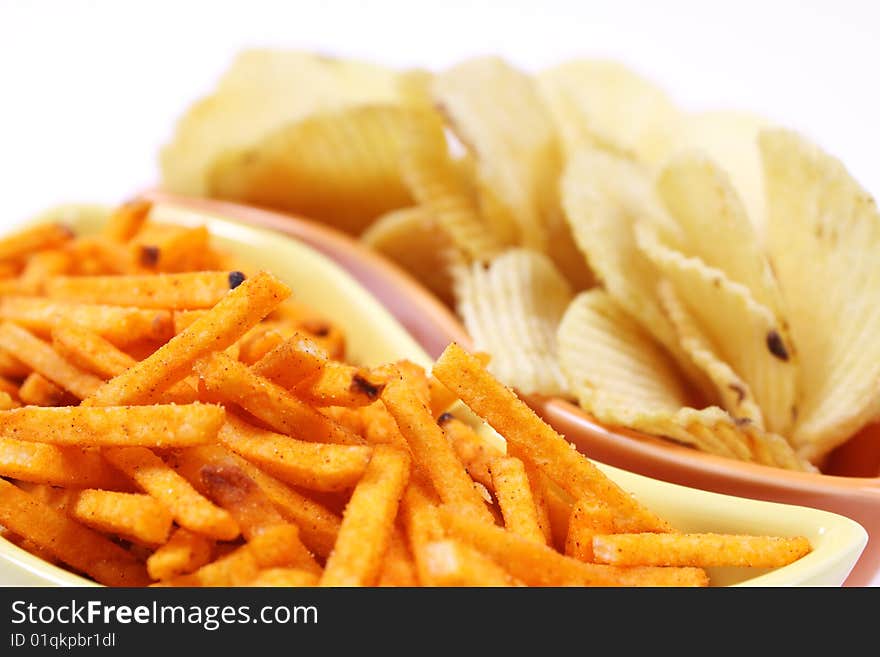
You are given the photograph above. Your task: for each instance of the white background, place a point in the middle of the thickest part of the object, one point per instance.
(89, 91)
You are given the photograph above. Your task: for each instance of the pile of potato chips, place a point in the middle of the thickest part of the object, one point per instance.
(705, 277)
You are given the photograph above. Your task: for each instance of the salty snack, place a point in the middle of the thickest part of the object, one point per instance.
(199, 458)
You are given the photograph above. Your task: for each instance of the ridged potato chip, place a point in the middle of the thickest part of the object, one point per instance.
(603, 195)
(735, 395)
(747, 334)
(439, 183)
(412, 238)
(262, 91)
(823, 236)
(623, 377)
(729, 138)
(339, 166)
(517, 152)
(511, 309)
(604, 104)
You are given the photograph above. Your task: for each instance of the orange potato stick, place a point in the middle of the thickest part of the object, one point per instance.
(316, 466)
(41, 267)
(368, 521)
(189, 508)
(702, 550)
(227, 321)
(231, 488)
(89, 351)
(98, 255)
(289, 577)
(398, 568)
(178, 250)
(11, 367)
(466, 376)
(474, 452)
(514, 494)
(119, 324)
(59, 466)
(167, 425)
(7, 402)
(9, 387)
(41, 358)
(277, 547)
(589, 517)
(127, 220)
(35, 238)
(421, 522)
(452, 563)
(414, 375)
(190, 290)
(291, 362)
(67, 540)
(183, 553)
(380, 427)
(339, 384)
(441, 398)
(37, 390)
(539, 565)
(183, 318)
(131, 515)
(262, 339)
(431, 451)
(540, 494)
(233, 381)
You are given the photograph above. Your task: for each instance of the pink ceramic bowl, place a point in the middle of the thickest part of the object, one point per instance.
(850, 484)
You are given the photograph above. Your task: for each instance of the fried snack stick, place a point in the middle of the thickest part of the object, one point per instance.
(422, 526)
(538, 565)
(474, 452)
(119, 324)
(154, 426)
(702, 550)
(183, 553)
(33, 239)
(233, 381)
(58, 466)
(189, 508)
(225, 323)
(11, 367)
(589, 517)
(127, 220)
(7, 402)
(465, 375)
(318, 525)
(37, 390)
(191, 290)
(514, 494)
(67, 540)
(452, 563)
(431, 451)
(398, 567)
(288, 577)
(291, 362)
(316, 466)
(368, 521)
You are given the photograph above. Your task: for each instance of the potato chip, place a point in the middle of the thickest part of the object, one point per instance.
(340, 166)
(262, 91)
(517, 152)
(624, 378)
(512, 310)
(729, 138)
(748, 335)
(413, 239)
(438, 182)
(603, 195)
(735, 395)
(604, 104)
(823, 232)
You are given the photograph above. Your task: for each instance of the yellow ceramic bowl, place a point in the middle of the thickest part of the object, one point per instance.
(374, 336)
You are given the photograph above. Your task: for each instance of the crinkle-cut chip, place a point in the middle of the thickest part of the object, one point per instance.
(747, 334)
(622, 377)
(412, 238)
(730, 139)
(735, 395)
(511, 309)
(823, 236)
(339, 166)
(603, 195)
(702, 200)
(444, 186)
(262, 91)
(604, 104)
(518, 155)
